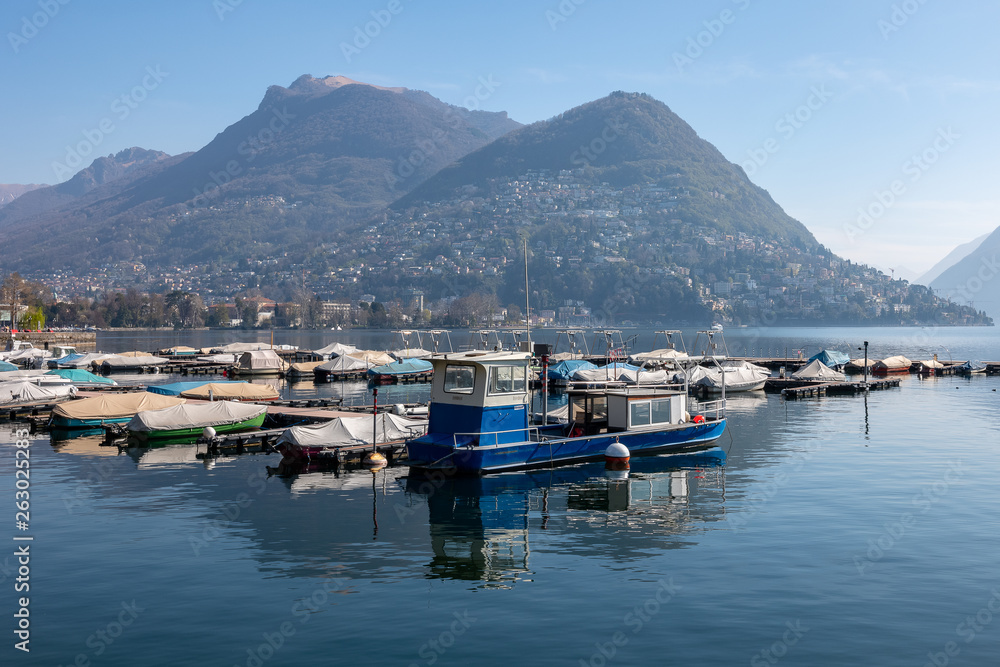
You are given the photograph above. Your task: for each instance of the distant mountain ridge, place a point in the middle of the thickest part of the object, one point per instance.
(950, 260)
(309, 159)
(975, 279)
(10, 192)
(103, 170)
(625, 139)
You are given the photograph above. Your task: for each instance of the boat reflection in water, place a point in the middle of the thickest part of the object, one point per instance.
(480, 527)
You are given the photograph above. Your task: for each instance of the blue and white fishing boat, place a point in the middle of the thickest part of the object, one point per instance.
(479, 419)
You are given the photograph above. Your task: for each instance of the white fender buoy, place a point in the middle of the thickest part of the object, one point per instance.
(616, 456)
(208, 433)
(374, 460)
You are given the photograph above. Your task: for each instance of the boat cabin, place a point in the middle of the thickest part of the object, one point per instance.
(481, 395)
(624, 409)
(59, 351)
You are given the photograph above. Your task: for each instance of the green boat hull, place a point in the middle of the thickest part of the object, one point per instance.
(193, 433)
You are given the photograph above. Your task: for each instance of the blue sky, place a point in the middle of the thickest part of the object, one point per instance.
(887, 108)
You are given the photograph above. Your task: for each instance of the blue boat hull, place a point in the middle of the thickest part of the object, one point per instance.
(430, 452)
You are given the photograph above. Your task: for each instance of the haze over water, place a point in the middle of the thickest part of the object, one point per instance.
(854, 530)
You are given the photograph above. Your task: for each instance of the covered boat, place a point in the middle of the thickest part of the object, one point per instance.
(404, 368)
(82, 378)
(315, 439)
(831, 359)
(603, 374)
(123, 363)
(479, 419)
(929, 367)
(970, 367)
(176, 388)
(7, 366)
(108, 409)
(27, 393)
(232, 391)
(738, 376)
(817, 371)
(303, 369)
(334, 350)
(561, 373)
(87, 360)
(179, 351)
(338, 366)
(190, 419)
(896, 364)
(259, 362)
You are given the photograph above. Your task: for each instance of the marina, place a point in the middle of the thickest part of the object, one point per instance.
(232, 514)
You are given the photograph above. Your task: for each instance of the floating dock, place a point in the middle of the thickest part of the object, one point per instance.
(795, 389)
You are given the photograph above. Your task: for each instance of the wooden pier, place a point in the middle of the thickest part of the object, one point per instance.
(795, 389)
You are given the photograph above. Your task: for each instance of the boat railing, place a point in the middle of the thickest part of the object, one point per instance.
(713, 409)
(532, 435)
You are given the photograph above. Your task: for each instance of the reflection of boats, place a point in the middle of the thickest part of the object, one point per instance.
(480, 527)
(479, 419)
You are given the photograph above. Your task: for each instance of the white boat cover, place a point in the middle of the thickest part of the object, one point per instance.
(36, 376)
(609, 373)
(564, 356)
(17, 393)
(860, 362)
(412, 353)
(817, 370)
(240, 348)
(737, 379)
(119, 361)
(343, 364)
(232, 391)
(373, 357)
(335, 350)
(740, 363)
(931, 363)
(386, 427)
(115, 406)
(134, 353)
(646, 377)
(194, 415)
(897, 362)
(180, 349)
(260, 360)
(218, 358)
(662, 355)
(86, 361)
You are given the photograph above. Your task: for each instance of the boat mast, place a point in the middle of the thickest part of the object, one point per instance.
(527, 307)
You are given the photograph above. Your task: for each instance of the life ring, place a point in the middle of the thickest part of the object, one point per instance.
(698, 419)
(576, 432)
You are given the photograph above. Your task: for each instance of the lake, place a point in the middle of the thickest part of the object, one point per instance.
(843, 530)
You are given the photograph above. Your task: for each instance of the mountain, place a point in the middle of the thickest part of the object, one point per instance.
(10, 192)
(311, 158)
(950, 260)
(123, 166)
(625, 139)
(975, 279)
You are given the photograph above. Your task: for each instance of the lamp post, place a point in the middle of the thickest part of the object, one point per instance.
(866, 365)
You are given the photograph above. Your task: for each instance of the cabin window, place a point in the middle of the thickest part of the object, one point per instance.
(649, 413)
(507, 379)
(459, 379)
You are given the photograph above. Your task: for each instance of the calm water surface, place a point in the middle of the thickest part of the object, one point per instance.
(823, 532)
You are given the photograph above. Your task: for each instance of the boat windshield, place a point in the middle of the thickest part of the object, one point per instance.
(507, 379)
(459, 379)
